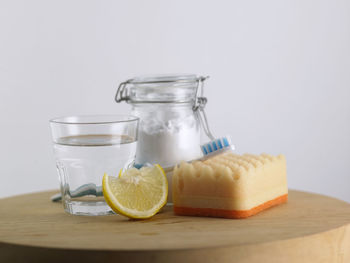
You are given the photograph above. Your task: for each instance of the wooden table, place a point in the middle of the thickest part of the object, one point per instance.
(309, 228)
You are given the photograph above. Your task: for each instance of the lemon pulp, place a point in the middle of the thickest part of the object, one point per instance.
(137, 193)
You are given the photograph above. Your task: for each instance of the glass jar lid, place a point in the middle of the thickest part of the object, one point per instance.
(160, 89)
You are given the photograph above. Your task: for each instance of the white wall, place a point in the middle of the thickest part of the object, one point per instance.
(280, 76)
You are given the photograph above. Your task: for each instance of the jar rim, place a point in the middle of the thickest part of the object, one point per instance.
(166, 78)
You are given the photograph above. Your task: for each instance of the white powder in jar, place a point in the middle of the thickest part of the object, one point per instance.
(168, 143)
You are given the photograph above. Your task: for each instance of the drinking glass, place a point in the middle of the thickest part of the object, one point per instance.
(87, 147)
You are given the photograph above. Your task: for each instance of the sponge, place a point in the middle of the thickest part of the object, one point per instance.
(230, 185)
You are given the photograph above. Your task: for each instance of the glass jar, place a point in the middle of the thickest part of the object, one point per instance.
(169, 128)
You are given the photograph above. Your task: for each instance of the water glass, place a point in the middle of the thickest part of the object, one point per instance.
(87, 147)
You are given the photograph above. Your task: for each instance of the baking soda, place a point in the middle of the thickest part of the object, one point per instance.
(168, 142)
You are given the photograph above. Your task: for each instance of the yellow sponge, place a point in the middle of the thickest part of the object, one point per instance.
(230, 185)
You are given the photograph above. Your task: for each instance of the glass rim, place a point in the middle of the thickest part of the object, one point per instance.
(118, 118)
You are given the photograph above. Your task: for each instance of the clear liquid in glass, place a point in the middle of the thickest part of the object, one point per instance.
(82, 161)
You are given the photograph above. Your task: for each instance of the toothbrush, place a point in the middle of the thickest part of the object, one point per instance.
(209, 149)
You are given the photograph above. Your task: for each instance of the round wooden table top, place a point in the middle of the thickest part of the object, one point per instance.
(309, 228)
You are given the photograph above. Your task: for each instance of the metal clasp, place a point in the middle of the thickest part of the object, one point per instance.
(199, 105)
(122, 92)
(199, 100)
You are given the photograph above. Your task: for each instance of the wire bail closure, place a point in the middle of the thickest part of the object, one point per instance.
(199, 105)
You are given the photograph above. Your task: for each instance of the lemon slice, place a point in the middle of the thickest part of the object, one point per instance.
(138, 193)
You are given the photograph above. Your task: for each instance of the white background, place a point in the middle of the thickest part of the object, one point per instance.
(280, 76)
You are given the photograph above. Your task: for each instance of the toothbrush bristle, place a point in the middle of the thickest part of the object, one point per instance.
(216, 145)
(220, 144)
(204, 150)
(226, 143)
